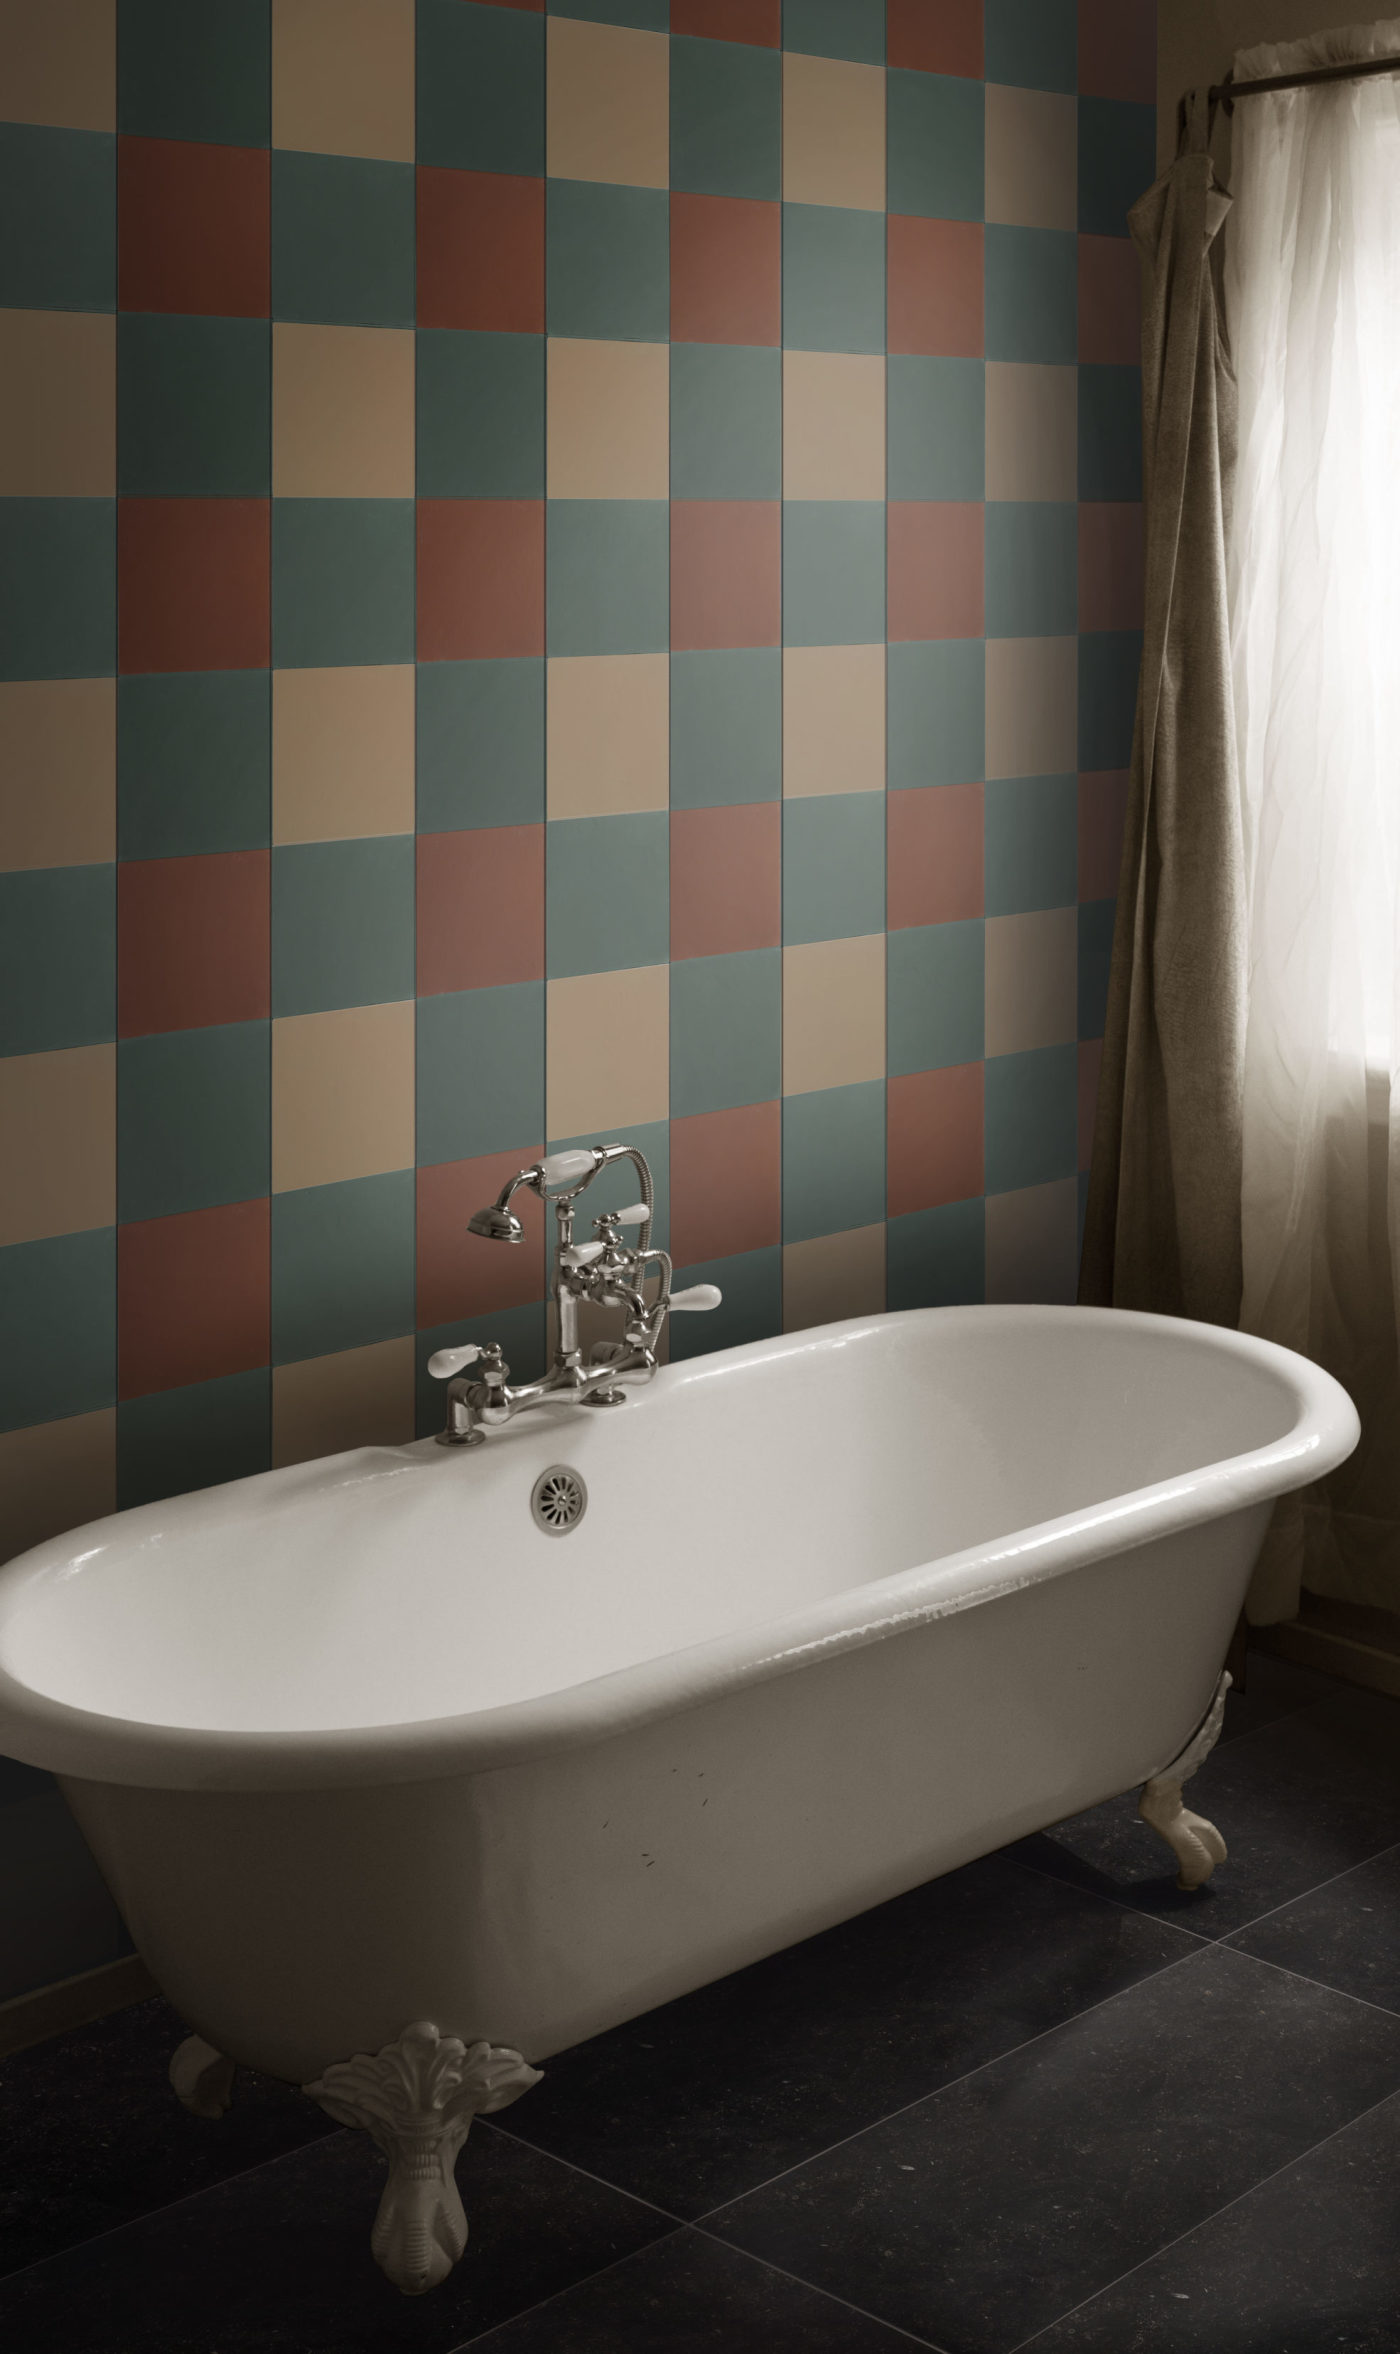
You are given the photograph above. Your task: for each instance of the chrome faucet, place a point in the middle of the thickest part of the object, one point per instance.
(607, 1270)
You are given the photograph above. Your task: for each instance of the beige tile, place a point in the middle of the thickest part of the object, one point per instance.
(342, 412)
(1032, 706)
(357, 1398)
(833, 1013)
(833, 719)
(342, 1095)
(608, 734)
(607, 1051)
(607, 104)
(833, 425)
(58, 63)
(1033, 1244)
(608, 417)
(835, 1276)
(58, 774)
(342, 77)
(54, 1476)
(58, 405)
(1031, 975)
(1032, 158)
(1032, 431)
(342, 753)
(833, 133)
(58, 1142)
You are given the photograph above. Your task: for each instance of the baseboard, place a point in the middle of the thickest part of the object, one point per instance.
(1331, 1654)
(32, 2018)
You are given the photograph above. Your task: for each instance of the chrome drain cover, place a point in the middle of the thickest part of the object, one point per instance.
(558, 1500)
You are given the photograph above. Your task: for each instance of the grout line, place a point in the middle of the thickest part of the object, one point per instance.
(1382, 2010)
(1140, 1913)
(619, 2190)
(484, 2336)
(1315, 1890)
(832, 2298)
(1120, 1903)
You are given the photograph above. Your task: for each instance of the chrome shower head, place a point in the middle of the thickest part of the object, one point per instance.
(496, 1224)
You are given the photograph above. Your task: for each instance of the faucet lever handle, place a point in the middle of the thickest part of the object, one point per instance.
(565, 1168)
(445, 1362)
(636, 1215)
(581, 1254)
(699, 1295)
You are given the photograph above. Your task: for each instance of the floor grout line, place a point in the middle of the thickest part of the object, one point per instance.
(483, 2337)
(1119, 1903)
(830, 2294)
(619, 2189)
(1317, 1888)
(1343, 1994)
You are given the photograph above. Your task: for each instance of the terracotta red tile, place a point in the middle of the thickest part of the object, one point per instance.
(480, 908)
(726, 879)
(935, 36)
(1118, 49)
(726, 1183)
(935, 272)
(194, 583)
(480, 578)
(1090, 1064)
(935, 1138)
(193, 942)
(934, 846)
(459, 1274)
(1110, 300)
(1110, 566)
(935, 569)
(726, 270)
(759, 22)
(480, 251)
(193, 1297)
(1103, 801)
(193, 227)
(726, 573)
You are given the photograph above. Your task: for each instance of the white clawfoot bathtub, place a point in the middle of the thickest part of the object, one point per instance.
(375, 1766)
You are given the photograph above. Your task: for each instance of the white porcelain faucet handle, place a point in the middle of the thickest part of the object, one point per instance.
(580, 1254)
(445, 1362)
(566, 1168)
(699, 1295)
(636, 1215)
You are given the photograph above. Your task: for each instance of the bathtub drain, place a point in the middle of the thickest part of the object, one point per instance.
(558, 1500)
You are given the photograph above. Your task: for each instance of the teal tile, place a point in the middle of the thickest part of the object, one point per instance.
(854, 29)
(1032, 294)
(178, 1440)
(833, 572)
(750, 1309)
(726, 1031)
(833, 1160)
(936, 427)
(60, 1920)
(480, 87)
(58, 588)
(936, 713)
(480, 1071)
(608, 262)
(58, 1327)
(58, 958)
(1110, 433)
(1032, 44)
(833, 279)
(480, 415)
(1095, 955)
(194, 1119)
(935, 142)
(1109, 662)
(726, 421)
(606, 892)
(1032, 568)
(480, 744)
(607, 582)
(519, 1332)
(194, 762)
(726, 727)
(726, 118)
(199, 72)
(1117, 162)
(619, 1185)
(1031, 843)
(58, 201)
(342, 1265)
(937, 1258)
(342, 581)
(935, 978)
(644, 16)
(342, 240)
(833, 866)
(194, 407)
(1031, 1117)
(342, 924)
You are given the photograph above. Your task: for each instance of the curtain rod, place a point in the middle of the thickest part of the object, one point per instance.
(1229, 90)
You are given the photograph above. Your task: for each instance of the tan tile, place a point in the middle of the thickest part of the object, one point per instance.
(54, 1476)
(342, 1095)
(607, 1051)
(1032, 431)
(607, 104)
(58, 63)
(1033, 1244)
(58, 404)
(833, 133)
(342, 412)
(835, 1276)
(608, 417)
(58, 1142)
(58, 774)
(608, 734)
(342, 77)
(357, 1398)
(833, 719)
(1032, 158)
(1032, 706)
(833, 1013)
(1032, 979)
(342, 753)
(833, 425)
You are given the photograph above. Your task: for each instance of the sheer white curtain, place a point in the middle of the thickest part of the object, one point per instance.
(1312, 307)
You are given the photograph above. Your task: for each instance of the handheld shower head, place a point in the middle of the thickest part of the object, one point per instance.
(496, 1224)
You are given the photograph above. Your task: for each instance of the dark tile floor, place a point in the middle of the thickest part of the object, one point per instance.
(1047, 2101)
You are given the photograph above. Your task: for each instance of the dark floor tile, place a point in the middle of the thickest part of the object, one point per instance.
(1307, 2264)
(1346, 1933)
(1273, 1688)
(698, 2101)
(91, 2134)
(989, 2210)
(1305, 1798)
(278, 2262)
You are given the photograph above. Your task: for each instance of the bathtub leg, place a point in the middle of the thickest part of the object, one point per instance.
(1196, 1844)
(417, 2098)
(202, 2077)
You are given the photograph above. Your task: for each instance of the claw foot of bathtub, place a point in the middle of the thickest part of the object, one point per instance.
(1196, 1844)
(202, 2077)
(417, 2097)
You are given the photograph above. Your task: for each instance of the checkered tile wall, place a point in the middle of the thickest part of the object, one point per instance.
(564, 572)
